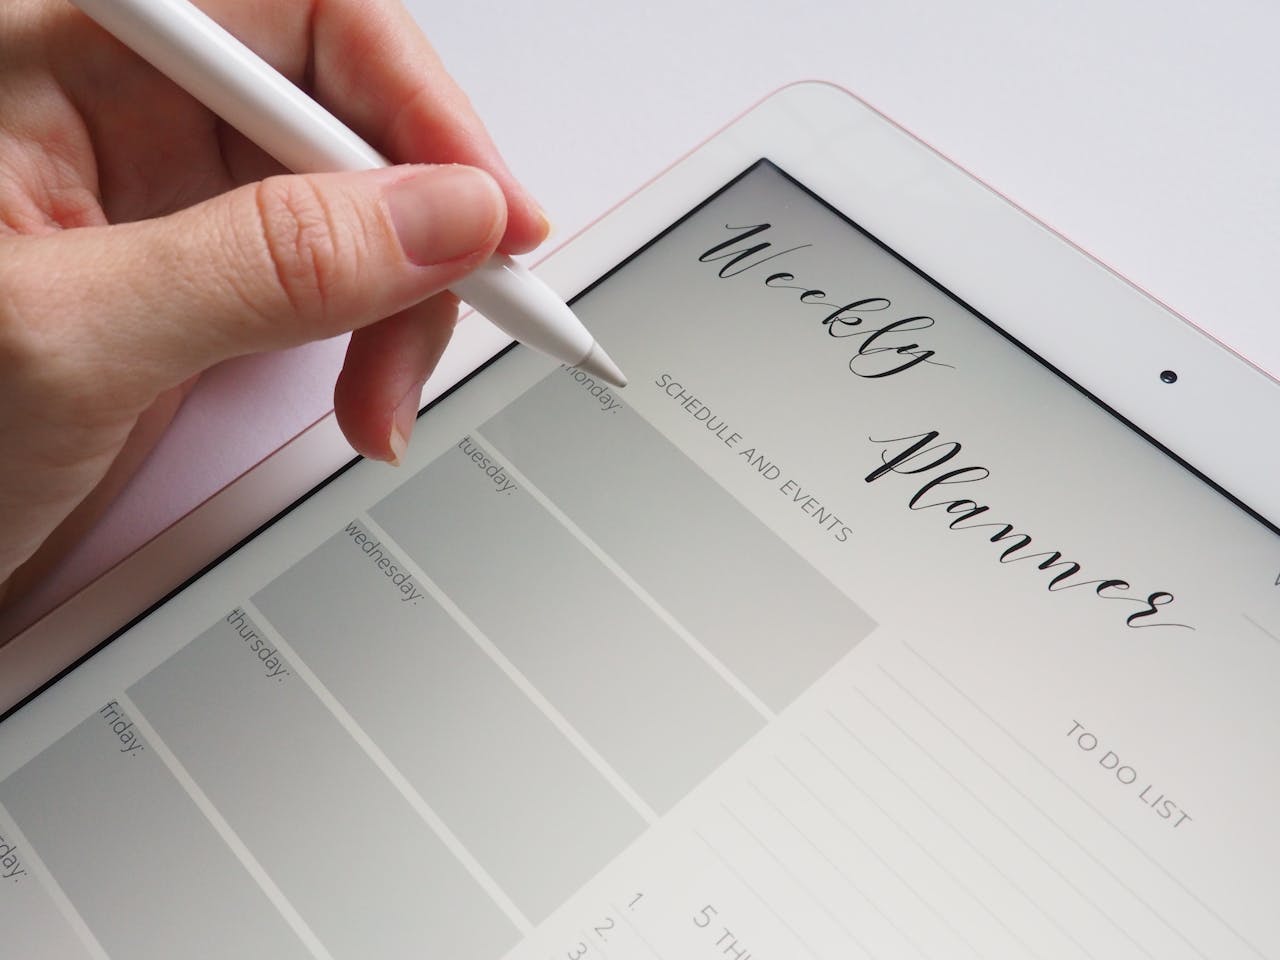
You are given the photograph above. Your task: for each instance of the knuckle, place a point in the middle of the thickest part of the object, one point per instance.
(23, 337)
(18, 357)
(309, 251)
(46, 373)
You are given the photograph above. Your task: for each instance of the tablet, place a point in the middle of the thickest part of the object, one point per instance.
(919, 598)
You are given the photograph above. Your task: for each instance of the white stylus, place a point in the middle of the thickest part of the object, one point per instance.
(235, 83)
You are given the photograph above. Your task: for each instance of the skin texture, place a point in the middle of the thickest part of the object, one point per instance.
(142, 240)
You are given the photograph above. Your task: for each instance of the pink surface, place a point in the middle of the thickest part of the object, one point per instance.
(237, 414)
(1143, 133)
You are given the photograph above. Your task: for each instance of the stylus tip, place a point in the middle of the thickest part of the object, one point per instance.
(598, 363)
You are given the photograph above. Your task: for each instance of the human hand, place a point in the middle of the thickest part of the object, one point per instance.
(142, 240)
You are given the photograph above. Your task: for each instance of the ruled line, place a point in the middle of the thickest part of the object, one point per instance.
(746, 885)
(982, 855)
(907, 832)
(853, 937)
(1088, 803)
(657, 954)
(1252, 621)
(853, 884)
(1040, 810)
(1005, 823)
(924, 902)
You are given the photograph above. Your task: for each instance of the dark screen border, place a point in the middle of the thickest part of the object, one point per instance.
(466, 380)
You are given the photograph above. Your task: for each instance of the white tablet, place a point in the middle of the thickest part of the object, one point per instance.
(918, 599)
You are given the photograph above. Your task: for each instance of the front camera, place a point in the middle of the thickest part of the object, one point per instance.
(1169, 376)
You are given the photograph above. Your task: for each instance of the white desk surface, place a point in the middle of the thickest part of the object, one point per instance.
(1147, 131)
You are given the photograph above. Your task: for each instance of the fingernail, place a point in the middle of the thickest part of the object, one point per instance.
(444, 213)
(399, 446)
(402, 422)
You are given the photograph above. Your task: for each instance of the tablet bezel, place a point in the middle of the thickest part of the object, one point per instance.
(1045, 292)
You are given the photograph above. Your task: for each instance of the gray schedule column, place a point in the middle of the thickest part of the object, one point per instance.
(526, 804)
(359, 865)
(137, 859)
(31, 925)
(759, 606)
(652, 708)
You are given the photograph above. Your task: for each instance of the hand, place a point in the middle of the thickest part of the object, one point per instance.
(142, 240)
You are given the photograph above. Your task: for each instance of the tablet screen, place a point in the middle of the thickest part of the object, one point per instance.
(849, 629)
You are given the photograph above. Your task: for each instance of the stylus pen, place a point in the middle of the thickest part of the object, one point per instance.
(196, 53)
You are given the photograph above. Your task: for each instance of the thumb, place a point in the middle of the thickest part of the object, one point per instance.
(269, 265)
